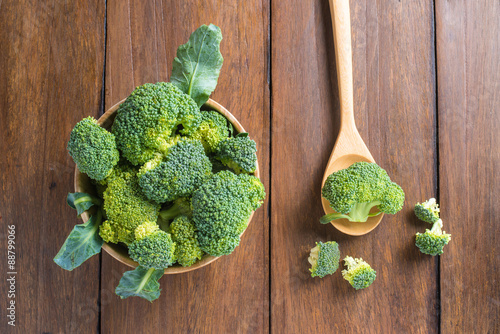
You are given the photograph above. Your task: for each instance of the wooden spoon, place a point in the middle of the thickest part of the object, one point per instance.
(349, 147)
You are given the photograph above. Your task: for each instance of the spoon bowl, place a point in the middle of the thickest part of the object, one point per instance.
(349, 147)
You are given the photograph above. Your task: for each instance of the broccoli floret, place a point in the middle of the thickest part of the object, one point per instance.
(354, 191)
(238, 153)
(427, 211)
(221, 208)
(187, 250)
(93, 149)
(145, 229)
(126, 207)
(433, 241)
(212, 130)
(324, 258)
(358, 273)
(149, 117)
(154, 249)
(183, 170)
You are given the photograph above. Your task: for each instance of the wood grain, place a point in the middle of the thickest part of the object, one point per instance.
(394, 107)
(51, 76)
(230, 295)
(51, 67)
(468, 59)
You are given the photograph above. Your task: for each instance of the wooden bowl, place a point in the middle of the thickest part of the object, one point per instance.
(83, 184)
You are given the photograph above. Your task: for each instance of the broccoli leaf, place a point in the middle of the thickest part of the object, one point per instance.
(140, 282)
(81, 202)
(82, 243)
(242, 134)
(197, 65)
(231, 129)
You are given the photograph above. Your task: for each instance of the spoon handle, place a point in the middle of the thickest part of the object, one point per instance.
(341, 21)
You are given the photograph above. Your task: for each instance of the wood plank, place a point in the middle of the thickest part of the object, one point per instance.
(468, 59)
(230, 295)
(51, 65)
(394, 99)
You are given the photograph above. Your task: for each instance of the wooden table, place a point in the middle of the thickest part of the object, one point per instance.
(427, 102)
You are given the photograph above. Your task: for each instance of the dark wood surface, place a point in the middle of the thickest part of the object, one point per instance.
(468, 77)
(427, 102)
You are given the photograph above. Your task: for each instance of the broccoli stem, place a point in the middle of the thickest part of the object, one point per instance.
(349, 262)
(88, 198)
(437, 227)
(360, 212)
(167, 215)
(170, 213)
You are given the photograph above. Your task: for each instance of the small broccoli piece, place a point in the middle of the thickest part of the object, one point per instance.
(238, 153)
(148, 119)
(324, 259)
(427, 211)
(183, 170)
(358, 273)
(154, 249)
(187, 250)
(93, 149)
(433, 241)
(354, 191)
(212, 130)
(126, 207)
(221, 208)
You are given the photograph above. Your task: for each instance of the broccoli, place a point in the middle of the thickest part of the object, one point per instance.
(354, 191)
(152, 247)
(93, 149)
(221, 208)
(126, 207)
(183, 170)
(427, 211)
(359, 273)
(187, 250)
(148, 119)
(238, 153)
(433, 241)
(324, 259)
(212, 130)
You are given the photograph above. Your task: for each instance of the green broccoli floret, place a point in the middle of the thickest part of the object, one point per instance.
(187, 250)
(183, 170)
(221, 208)
(212, 130)
(354, 191)
(152, 248)
(324, 258)
(427, 211)
(148, 119)
(93, 149)
(126, 207)
(433, 241)
(238, 153)
(358, 273)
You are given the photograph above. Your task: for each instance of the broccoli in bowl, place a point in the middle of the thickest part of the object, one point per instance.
(165, 188)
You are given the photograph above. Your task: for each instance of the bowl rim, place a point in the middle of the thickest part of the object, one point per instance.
(117, 251)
